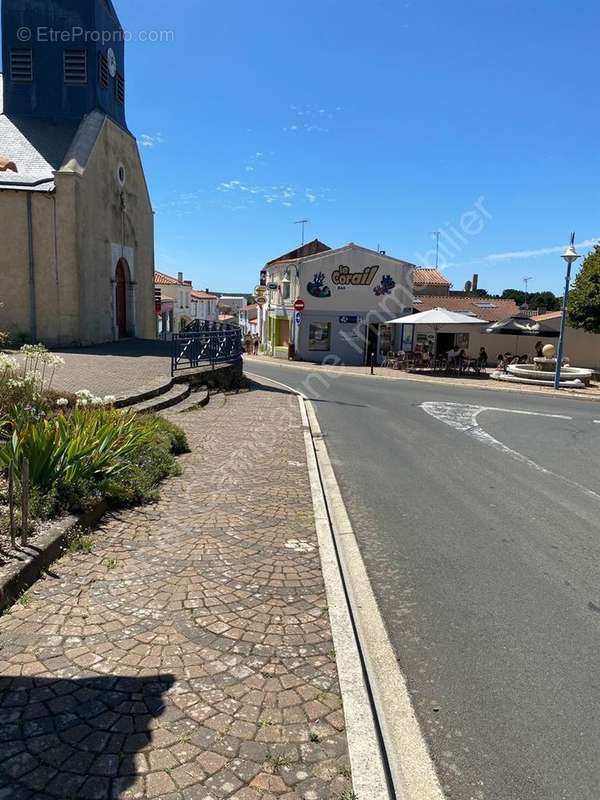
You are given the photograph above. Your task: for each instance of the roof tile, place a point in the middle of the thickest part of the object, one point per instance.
(487, 308)
(429, 276)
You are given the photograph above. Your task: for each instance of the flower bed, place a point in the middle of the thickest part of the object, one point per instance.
(76, 449)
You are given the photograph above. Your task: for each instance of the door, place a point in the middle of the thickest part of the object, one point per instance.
(444, 342)
(121, 299)
(283, 332)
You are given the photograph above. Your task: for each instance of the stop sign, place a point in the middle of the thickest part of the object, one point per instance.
(299, 304)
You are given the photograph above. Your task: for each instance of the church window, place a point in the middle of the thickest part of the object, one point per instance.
(75, 67)
(21, 65)
(120, 88)
(103, 73)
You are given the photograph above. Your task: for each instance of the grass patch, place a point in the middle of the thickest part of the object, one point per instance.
(278, 761)
(81, 543)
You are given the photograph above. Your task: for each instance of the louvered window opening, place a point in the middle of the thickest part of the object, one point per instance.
(120, 88)
(21, 66)
(75, 64)
(103, 73)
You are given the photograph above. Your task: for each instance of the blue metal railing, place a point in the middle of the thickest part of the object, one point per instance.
(205, 343)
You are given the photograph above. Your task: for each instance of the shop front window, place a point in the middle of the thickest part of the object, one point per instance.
(319, 336)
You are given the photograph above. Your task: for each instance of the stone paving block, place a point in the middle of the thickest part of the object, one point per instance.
(202, 666)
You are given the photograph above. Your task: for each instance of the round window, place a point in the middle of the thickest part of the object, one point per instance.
(121, 175)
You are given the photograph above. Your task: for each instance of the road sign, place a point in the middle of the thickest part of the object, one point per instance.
(298, 316)
(348, 320)
(260, 290)
(299, 304)
(272, 286)
(261, 300)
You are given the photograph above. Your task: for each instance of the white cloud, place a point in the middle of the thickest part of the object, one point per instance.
(278, 194)
(151, 140)
(310, 116)
(516, 255)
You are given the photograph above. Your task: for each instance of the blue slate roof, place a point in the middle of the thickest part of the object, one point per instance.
(37, 146)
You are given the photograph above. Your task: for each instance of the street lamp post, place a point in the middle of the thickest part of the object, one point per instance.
(570, 256)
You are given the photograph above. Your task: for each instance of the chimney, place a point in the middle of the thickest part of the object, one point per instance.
(474, 283)
(180, 277)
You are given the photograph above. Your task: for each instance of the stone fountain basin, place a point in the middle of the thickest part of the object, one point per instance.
(573, 377)
(566, 373)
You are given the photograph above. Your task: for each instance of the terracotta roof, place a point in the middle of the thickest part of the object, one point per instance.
(309, 249)
(429, 276)
(7, 164)
(547, 315)
(165, 280)
(487, 308)
(199, 295)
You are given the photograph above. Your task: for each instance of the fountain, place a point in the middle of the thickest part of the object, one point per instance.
(543, 372)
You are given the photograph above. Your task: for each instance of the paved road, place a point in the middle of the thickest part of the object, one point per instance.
(481, 537)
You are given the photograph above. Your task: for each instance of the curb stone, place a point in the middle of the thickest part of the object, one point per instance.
(48, 547)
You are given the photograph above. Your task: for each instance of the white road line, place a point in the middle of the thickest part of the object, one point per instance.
(410, 763)
(464, 418)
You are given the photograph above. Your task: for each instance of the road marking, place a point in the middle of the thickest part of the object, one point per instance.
(463, 418)
(408, 757)
(597, 421)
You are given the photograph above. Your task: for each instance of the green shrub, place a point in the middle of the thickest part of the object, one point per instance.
(83, 446)
(152, 462)
(79, 457)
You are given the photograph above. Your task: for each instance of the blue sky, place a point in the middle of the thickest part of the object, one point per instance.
(379, 121)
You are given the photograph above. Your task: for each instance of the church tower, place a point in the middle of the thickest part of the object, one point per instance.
(78, 266)
(63, 59)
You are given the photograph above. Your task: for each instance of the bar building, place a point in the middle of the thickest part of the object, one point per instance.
(349, 294)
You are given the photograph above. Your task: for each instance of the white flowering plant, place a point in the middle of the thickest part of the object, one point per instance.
(26, 381)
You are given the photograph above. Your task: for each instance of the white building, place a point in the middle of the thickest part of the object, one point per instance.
(232, 305)
(176, 302)
(248, 319)
(349, 294)
(204, 305)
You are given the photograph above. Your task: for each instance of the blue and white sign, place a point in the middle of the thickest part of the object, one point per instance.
(348, 320)
(298, 317)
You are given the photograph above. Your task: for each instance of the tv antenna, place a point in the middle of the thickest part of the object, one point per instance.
(303, 223)
(526, 282)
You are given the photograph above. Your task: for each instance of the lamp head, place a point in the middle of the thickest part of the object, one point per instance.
(570, 255)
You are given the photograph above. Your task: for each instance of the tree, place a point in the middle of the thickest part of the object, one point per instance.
(546, 301)
(584, 297)
(518, 295)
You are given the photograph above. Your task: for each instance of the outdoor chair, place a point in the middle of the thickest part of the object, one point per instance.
(388, 360)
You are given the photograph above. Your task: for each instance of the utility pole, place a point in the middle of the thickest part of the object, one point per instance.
(303, 223)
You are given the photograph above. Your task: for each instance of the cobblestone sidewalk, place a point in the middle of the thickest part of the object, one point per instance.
(189, 655)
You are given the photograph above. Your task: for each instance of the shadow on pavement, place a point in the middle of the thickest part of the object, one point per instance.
(75, 738)
(130, 348)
